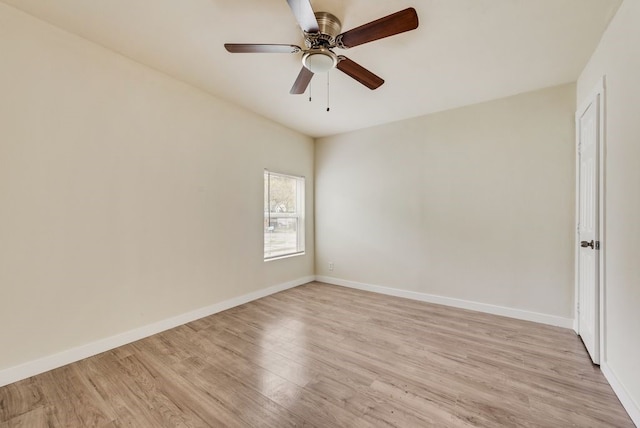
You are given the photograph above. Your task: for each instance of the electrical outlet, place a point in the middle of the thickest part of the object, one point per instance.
(330, 265)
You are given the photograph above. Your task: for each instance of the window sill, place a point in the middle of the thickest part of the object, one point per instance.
(286, 256)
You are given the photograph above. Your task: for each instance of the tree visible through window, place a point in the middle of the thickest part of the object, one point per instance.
(283, 215)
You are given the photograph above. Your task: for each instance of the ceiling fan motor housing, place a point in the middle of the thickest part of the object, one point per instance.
(328, 29)
(329, 25)
(319, 58)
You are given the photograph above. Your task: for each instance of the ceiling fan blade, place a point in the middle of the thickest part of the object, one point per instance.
(302, 81)
(358, 72)
(260, 48)
(390, 25)
(303, 12)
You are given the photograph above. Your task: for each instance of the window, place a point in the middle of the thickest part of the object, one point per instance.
(283, 215)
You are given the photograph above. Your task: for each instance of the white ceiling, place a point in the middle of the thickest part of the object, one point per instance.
(463, 52)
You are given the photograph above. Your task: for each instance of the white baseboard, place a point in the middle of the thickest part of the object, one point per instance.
(32, 368)
(632, 408)
(456, 303)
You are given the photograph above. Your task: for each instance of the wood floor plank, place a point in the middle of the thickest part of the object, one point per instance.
(322, 356)
(19, 398)
(36, 418)
(72, 403)
(120, 393)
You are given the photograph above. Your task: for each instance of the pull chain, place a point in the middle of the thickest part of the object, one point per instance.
(309, 91)
(328, 109)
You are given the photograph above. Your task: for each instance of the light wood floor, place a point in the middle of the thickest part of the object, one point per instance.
(324, 356)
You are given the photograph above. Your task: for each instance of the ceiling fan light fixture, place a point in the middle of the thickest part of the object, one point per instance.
(319, 60)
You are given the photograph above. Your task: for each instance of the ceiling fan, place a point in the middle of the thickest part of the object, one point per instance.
(321, 32)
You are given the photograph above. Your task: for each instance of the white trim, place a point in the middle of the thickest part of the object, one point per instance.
(602, 89)
(598, 94)
(632, 408)
(283, 174)
(41, 365)
(285, 256)
(598, 88)
(456, 303)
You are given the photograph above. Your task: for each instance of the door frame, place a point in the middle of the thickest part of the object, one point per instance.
(597, 95)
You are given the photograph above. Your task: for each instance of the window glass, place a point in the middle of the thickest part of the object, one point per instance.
(283, 215)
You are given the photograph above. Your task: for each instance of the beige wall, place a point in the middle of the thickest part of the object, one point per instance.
(126, 197)
(618, 57)
(474, 204)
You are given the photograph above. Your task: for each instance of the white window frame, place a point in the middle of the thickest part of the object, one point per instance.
(299, 215)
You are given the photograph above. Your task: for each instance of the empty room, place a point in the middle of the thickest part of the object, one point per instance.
(323, 213)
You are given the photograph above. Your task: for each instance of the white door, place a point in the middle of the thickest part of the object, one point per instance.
(588, 299)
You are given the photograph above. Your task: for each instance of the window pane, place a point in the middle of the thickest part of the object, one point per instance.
(283, 194)
(283, 215)
(281, 238)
